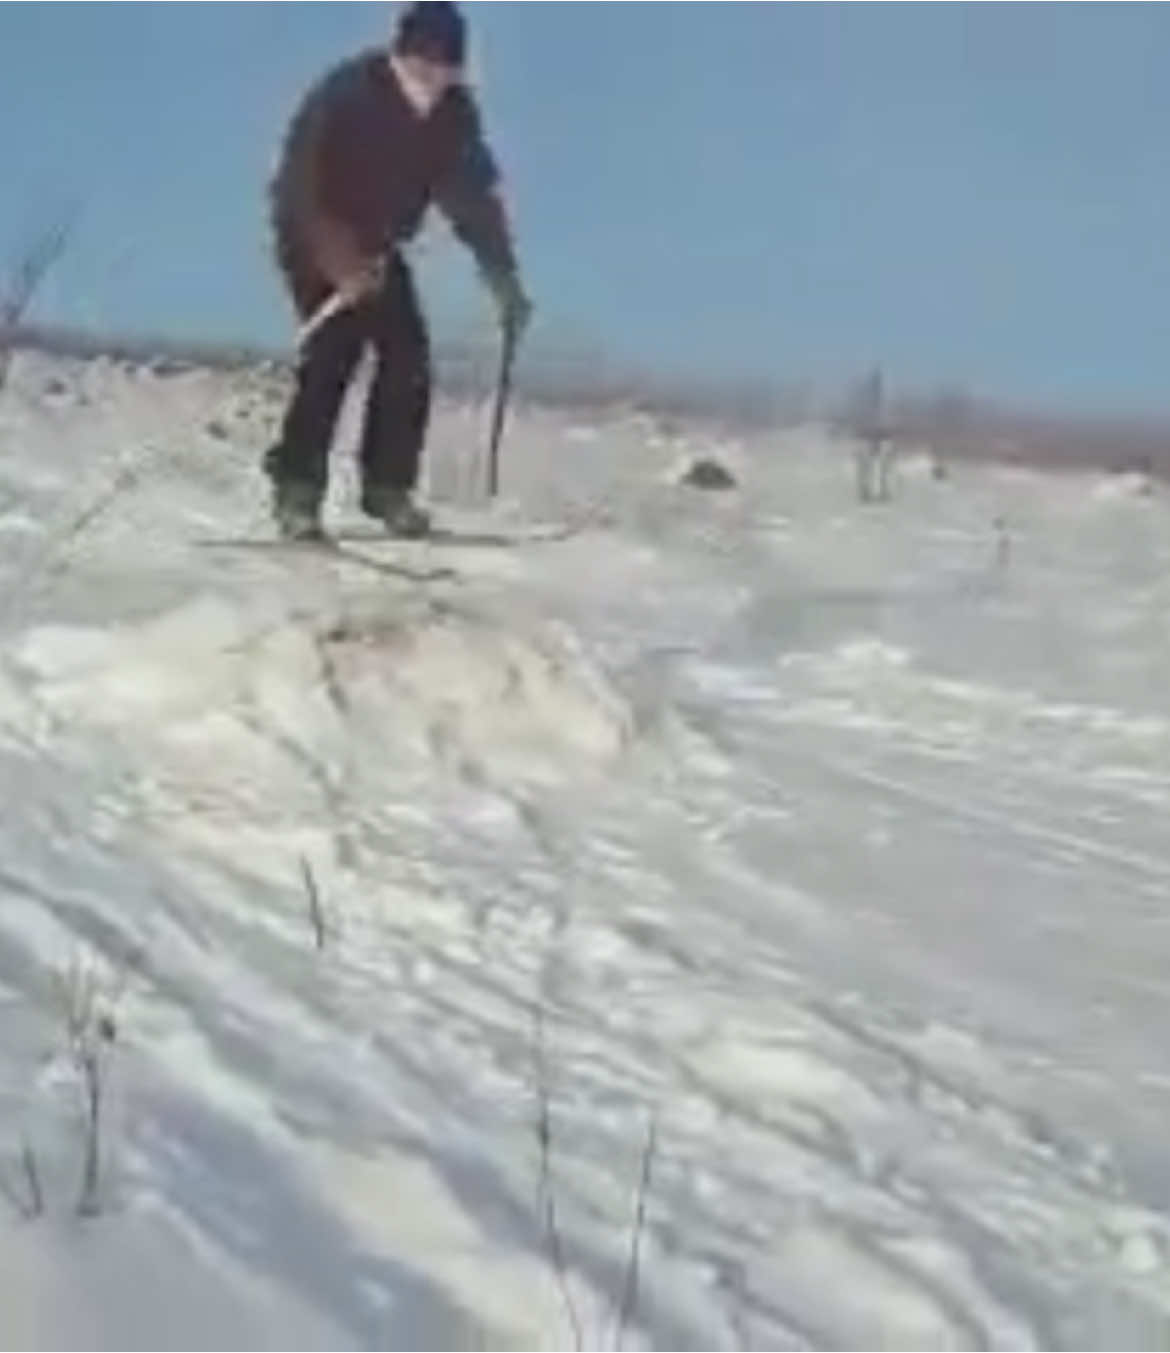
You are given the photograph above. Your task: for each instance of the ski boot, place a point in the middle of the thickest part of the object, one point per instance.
(296, 509)
(397, 511)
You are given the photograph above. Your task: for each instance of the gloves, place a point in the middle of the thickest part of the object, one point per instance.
(512, 304)
(340, 258)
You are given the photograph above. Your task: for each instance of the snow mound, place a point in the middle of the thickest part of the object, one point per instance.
(427, 680)
(854, 957)
(532, 705)
(1123, 486)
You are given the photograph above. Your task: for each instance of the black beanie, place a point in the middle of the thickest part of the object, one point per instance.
(433, 29)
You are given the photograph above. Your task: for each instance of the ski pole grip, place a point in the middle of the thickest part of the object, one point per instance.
(329, 307)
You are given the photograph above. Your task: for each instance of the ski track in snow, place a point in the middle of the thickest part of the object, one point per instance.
(825, 840)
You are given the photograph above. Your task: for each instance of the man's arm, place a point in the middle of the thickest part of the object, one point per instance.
(471, 200)
(470, 197)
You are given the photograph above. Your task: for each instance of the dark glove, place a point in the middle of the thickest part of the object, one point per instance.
(512, 304)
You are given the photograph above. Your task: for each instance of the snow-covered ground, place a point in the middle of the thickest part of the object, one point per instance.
(796, 872)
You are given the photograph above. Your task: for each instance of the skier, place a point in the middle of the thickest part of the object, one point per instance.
(376, 141)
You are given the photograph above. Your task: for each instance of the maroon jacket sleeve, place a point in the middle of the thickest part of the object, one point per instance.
(468, 194)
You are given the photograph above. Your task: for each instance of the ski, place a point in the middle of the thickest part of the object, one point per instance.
(331, 548)
(470, 536)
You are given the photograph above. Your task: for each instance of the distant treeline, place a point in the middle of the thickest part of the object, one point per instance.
(950, 423)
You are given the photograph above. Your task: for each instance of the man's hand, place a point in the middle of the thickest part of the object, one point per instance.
(512, 303)
(360, 279)
(351, 284)
(350, 270)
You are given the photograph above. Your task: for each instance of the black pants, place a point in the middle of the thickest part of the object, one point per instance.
(398, 405)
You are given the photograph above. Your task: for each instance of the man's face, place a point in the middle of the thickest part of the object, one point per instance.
(425, 81)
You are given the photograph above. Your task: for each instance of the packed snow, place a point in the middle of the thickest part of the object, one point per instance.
(740, 919)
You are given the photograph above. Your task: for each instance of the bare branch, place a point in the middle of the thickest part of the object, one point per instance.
(546, 1200)
(32, 1178)
(29, 271)
(88, 1203)
(32, 1204)
(312, 893)
(90, 1026)
(53, 559)
(630, 1288)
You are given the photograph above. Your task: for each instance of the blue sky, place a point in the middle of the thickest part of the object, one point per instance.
(975, 194)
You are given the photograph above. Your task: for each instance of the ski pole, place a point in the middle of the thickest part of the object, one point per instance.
(503, 391)
(329, 307)
(341, 300)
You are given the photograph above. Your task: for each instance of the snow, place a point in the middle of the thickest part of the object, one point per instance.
(824, 843)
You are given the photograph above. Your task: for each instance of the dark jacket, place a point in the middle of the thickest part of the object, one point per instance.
(359, 168)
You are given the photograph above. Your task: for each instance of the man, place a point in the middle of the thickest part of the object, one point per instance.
(372, 145)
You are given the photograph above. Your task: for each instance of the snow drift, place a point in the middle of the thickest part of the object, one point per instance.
(764, 887)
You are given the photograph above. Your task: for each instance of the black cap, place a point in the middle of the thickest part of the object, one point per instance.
(434, 29)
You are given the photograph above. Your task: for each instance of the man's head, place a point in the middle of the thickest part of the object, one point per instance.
(429, 49)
